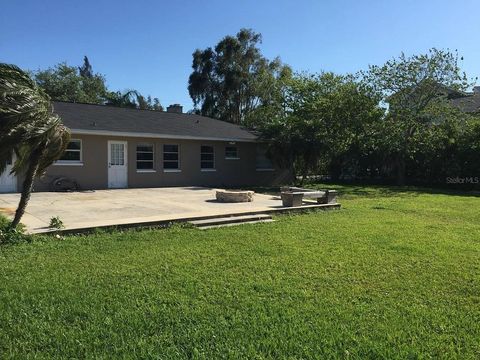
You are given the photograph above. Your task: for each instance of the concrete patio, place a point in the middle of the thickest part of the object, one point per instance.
(81, 211)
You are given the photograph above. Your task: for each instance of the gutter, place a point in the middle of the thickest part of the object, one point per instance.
(156, 135)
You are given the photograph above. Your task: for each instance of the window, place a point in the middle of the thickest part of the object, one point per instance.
(170, 157)
(73, 153)
(207, 158)
(263, 163)
(144, 157)
(231, 152)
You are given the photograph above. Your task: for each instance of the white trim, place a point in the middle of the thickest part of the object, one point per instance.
(67, 163)
(153, 135)
(146, 171)
(172, 170)
(72, 162)
(208, 170)
(264, 169)
(236, 157)
(178, 168)
(144, 161)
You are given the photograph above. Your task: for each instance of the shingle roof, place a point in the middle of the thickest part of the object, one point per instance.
(100, 119)
(469, 103)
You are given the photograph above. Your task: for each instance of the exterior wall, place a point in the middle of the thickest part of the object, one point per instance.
(93, 172)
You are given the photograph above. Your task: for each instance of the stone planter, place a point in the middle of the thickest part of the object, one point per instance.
(290, 198)
(234, 196)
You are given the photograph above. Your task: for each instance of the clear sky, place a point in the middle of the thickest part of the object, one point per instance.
(147, 45)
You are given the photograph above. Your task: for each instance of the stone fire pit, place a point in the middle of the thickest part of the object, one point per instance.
(234, 196)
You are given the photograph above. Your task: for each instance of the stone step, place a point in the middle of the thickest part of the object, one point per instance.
(240, 219)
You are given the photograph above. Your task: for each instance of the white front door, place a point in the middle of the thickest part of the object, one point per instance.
(117, 164)
(8, 182)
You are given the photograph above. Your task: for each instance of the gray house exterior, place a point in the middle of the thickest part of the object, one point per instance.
(127, 148)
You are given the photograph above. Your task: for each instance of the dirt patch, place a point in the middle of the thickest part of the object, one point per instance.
(8, 211)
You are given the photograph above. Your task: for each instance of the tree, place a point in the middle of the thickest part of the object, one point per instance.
(469, 150)
(410, 86)
(232, 79)
(86, 70)
(81, 84)
(29, 128)
(69, 83)
(320, 122)
(134, 100)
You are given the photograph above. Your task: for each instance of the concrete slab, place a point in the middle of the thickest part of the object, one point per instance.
(124, 207)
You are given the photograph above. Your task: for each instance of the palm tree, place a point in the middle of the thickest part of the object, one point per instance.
(29, 128)
(133, 99)
(127, 99)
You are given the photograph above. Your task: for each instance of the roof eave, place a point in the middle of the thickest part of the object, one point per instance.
(155, 135)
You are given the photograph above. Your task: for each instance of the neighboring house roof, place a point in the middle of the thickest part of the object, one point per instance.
(109, 120)
(469, 103)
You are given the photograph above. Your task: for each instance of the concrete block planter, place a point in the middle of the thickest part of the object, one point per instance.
(293, 196)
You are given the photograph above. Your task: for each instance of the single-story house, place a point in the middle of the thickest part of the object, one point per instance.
(115, 147)
(468, 102)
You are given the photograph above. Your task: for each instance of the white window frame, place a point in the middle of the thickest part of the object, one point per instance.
(213, 153)
(152, 161)
(231, 157)
(178, 169)
(73, 162)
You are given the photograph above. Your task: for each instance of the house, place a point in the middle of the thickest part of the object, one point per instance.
(115, 147)
(468, 102)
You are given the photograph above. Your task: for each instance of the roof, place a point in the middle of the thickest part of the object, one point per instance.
(109, 120)
(469, 103)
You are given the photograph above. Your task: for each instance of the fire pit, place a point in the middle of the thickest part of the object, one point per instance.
(234, 196)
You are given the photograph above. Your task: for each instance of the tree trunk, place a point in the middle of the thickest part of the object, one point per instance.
(27, 186)
(304, 173)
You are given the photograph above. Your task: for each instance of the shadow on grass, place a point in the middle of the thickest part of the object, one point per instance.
(367, 190)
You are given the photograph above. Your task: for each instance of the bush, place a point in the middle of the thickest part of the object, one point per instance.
(56, 223)
(9, 235)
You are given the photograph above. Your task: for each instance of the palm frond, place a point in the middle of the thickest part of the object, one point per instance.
(27, 121)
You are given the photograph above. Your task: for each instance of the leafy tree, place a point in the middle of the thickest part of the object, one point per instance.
(81, 84)
(147, 103)
(234, 78)
(69, 83)
(468, 146)
(319, 122)
(410, 86)
(29, 128)
(86, 70)
(134, 100)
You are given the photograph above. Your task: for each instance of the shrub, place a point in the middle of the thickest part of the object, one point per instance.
(56, 223)
(10, 235)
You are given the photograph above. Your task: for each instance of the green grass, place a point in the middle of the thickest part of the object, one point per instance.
(394, 274)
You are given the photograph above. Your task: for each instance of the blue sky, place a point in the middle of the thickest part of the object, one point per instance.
(147, 45)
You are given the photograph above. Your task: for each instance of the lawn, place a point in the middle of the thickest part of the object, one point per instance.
(393, 274)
